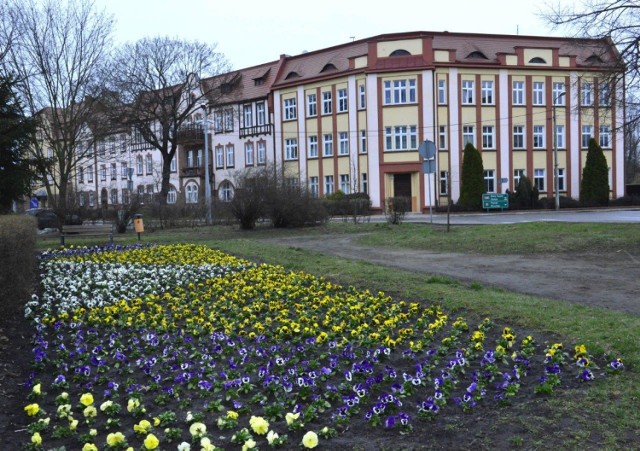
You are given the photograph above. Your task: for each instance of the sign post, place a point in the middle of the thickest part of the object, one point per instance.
(427, 150)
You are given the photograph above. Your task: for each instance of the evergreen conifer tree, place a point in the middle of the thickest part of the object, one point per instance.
(472, 179)
(595, 177)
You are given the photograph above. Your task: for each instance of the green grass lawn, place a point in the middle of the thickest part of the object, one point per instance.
(605, 415)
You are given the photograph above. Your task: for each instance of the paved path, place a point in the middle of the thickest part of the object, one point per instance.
(610, 281)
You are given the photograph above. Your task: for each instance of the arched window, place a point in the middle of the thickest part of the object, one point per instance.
(192, 193)
(226, 191)
(399, 52)
(292, 74)
(476, 54)
(537, 60)
(594, 59)
(172, 195)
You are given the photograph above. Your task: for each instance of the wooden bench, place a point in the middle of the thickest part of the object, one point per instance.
(105, 230)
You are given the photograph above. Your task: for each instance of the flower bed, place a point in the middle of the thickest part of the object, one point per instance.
(184, 347)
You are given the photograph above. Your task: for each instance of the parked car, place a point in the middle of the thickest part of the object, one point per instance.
(47, 219)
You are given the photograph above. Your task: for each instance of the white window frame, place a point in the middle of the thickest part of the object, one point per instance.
(228, 120)
(92, 200)
(538, 93)
(289, 107)
(363, 141)
(291, 149)
(247, 115)
(489, 180)
(172, 195)
(605, 137)
(113, 196)
(488, 137)
(261, 114)
(444, 183)
(343, 143)
(149, 164)
(468, 92)
(442, 91)
(328, 185)
(343, 101)
(364, 183)
(560, 141)
(487, 92)
(539, 137)
(262, 152)
(139, 165)
(586, 94)
(604, 94)
(219, 157)
(312, 105)
(248, 154)
(519, 135)
(468, 135)
(191, 193)
(517, 93)
(442, 137)
(225, 193)
(517, 175)
(556, 90)
(562, 186)
(539, 180)
(345, 184)
(585, 136)
(362, 93)
(313, 146)
(314, 186)
(230, 153)
(327, 103)
(327, 145)
(401, 137)
(399, 92)
(90, 173)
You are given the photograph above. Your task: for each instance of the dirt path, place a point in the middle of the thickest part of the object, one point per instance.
(610, 281)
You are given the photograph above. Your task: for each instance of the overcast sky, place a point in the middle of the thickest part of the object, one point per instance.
(251, 32)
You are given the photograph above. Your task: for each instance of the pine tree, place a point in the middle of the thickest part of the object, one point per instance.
(595, 177)
(472, 179)
(15, 134)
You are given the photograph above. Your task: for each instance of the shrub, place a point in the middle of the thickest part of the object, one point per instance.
(354, 205)
(17, 254)
(525, 196)
(594, 190)
(396, 208)
(472, 179)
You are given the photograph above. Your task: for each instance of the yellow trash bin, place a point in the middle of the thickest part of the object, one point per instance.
(138, 224)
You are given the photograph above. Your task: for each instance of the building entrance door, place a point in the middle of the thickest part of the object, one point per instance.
(402, 185)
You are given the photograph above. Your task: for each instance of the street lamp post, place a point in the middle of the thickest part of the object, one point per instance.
(555, 151)
(207, 183)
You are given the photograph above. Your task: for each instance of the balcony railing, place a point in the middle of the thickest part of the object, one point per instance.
(255, 130)
(191, 133)
(196, 171)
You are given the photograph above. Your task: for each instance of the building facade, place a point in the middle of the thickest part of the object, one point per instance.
(351, 118)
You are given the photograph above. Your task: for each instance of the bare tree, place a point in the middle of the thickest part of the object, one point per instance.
(55, 55)
(159, 83)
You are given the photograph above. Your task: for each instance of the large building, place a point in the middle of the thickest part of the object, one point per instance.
(351, 118)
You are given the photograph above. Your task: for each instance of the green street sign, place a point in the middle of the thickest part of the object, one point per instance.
(494, 200)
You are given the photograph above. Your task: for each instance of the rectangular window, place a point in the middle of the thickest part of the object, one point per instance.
(114, 171)
(231, 153)
(217, 122)
(539, 179)
(103, 173)
(291, 149)
(90, 173)
(442, 91)
(442, 137)
(487, 92)
(190, 159)
(362, 104)
(327, 103)
(468, 135)
(586, 94)
(517, 96)
(228, 120)
(364, 185)
(247, 111)
(139, 165)
(328, 185)
(538, 93)
(312, 105)
(80, 174)
(538, 137)
(363, 141)
(112, 148)
(488, 140)
(125, 196)
(199, 158)
(81, 199)
(444, 183)
(604, 94)
(313, 146)
(558, 94)
(262, 152)
(92, 201)
(605, 136)
(401, 137)
(173, 166)
(560, 141)
(467, 92)
(149, 161)
(314, 186)
(399, 92)
(114, 196)
(343, 143)
(561, 176)
(290, 109)
(261, 114)
(587, 134)
(219, 157)
(124, 171)
(518, 137)
(327, 145)
(489, 181)
(345, 184)
(343, 104)
(517, 175)
(248, 154)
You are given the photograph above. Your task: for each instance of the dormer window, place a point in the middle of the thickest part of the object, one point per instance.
(537, 60)
(225, 88)
(476, 54)
(329, 66)
(292, 74)
(594, 59)
(258, 81)
(400, 52)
